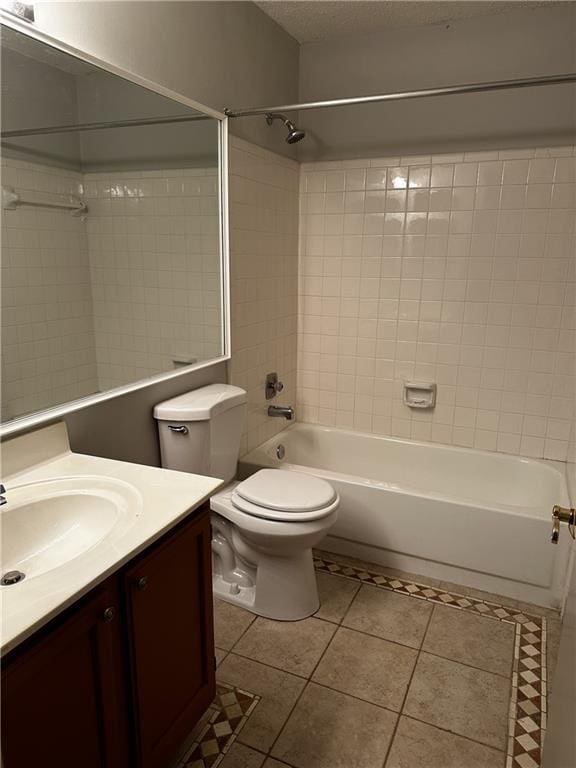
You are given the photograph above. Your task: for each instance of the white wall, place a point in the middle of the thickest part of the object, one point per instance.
(458, 269)
(228, 54)
(504, 46)
(35, 94)
(223, 54)
(102, 96)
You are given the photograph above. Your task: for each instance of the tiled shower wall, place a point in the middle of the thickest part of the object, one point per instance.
(264, 278)
(92, 304)
(454, 269)
(153, 239)
(47, 329)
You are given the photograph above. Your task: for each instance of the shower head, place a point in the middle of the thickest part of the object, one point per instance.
(294, 134)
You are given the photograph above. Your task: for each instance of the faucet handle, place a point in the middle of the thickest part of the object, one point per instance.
(272, 386)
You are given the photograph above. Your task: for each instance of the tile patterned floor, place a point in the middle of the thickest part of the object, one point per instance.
(390, 672)
(220, 727)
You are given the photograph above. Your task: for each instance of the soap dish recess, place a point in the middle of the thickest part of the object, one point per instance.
(419, 394)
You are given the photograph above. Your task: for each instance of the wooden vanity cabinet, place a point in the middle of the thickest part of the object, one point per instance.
(121, 678)
(168, 596)
(63, 695)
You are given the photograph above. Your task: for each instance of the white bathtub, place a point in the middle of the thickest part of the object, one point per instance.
(478, 518)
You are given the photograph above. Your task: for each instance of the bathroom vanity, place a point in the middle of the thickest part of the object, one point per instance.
(109, 656)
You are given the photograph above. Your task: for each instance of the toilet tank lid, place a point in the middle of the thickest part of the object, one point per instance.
(200, 404)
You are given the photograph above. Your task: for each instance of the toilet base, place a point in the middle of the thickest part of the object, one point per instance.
(285, 588)
(265, 566)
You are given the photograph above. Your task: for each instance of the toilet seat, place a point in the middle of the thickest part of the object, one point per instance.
(276, 494)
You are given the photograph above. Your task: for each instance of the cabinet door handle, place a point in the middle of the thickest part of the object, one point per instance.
(142, 583)
(109, 614)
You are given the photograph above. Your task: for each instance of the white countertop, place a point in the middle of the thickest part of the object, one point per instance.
(166, 498)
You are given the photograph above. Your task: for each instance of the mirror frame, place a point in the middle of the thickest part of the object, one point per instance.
(39, 418)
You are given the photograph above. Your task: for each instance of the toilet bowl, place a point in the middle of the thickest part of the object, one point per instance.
(263, 533)
(264, 528)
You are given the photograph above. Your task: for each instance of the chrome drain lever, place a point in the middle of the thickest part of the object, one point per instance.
(562, 515)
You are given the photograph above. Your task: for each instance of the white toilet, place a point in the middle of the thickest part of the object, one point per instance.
(264, 528)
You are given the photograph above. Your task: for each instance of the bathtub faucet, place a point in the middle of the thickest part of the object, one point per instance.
(281, 410)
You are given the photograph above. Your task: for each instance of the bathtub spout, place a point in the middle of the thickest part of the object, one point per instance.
(282, 410)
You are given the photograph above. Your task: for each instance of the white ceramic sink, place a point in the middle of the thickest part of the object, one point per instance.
(46, 524)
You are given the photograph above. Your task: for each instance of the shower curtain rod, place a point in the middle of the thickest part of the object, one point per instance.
(449, 90)
(100, 126)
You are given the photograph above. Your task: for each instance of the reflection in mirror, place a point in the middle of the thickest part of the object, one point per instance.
(110, 230)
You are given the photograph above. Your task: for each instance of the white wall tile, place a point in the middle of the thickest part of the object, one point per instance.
(153, 244)
(47, 330)
(264, 274)
(463, 274)
(116, 297)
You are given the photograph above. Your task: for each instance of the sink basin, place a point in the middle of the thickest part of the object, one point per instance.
(47, 524)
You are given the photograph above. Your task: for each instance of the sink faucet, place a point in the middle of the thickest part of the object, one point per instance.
(282, 410)
(3, 498)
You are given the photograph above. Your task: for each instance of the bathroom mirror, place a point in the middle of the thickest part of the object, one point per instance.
(113, 230)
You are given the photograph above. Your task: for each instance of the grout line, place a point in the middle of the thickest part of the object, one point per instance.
(525, 624)
(524, 621)
(308, 680)
(467, 665)
(408, 688)
(453, 733)
(236, 652)
(241, 635)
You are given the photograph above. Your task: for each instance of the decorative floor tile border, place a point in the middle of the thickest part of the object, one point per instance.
(233, 708)
(528, 702)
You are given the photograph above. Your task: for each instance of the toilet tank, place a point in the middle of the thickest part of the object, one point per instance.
(200, 431)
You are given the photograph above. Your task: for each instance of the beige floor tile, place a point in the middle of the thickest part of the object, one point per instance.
(466, 701)
(230, 622)
(271, 763)
(279, 692)
(294, 646)
(367, 667)
(474, 640)
(220, 656)
(331, 730)
(336, 594)
(417, 745)
(400, 618)
(240, 756)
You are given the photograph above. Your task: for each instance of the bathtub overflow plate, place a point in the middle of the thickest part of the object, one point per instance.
(12, 577)
(280, 452)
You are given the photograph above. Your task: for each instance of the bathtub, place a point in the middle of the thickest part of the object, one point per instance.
(476, 518)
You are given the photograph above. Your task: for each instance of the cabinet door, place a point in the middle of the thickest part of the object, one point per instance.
(169, 604)
(63, 697)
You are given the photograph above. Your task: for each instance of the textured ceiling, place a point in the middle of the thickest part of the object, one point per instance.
(309, 20)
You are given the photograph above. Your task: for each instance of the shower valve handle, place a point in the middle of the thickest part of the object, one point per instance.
(562, 515)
